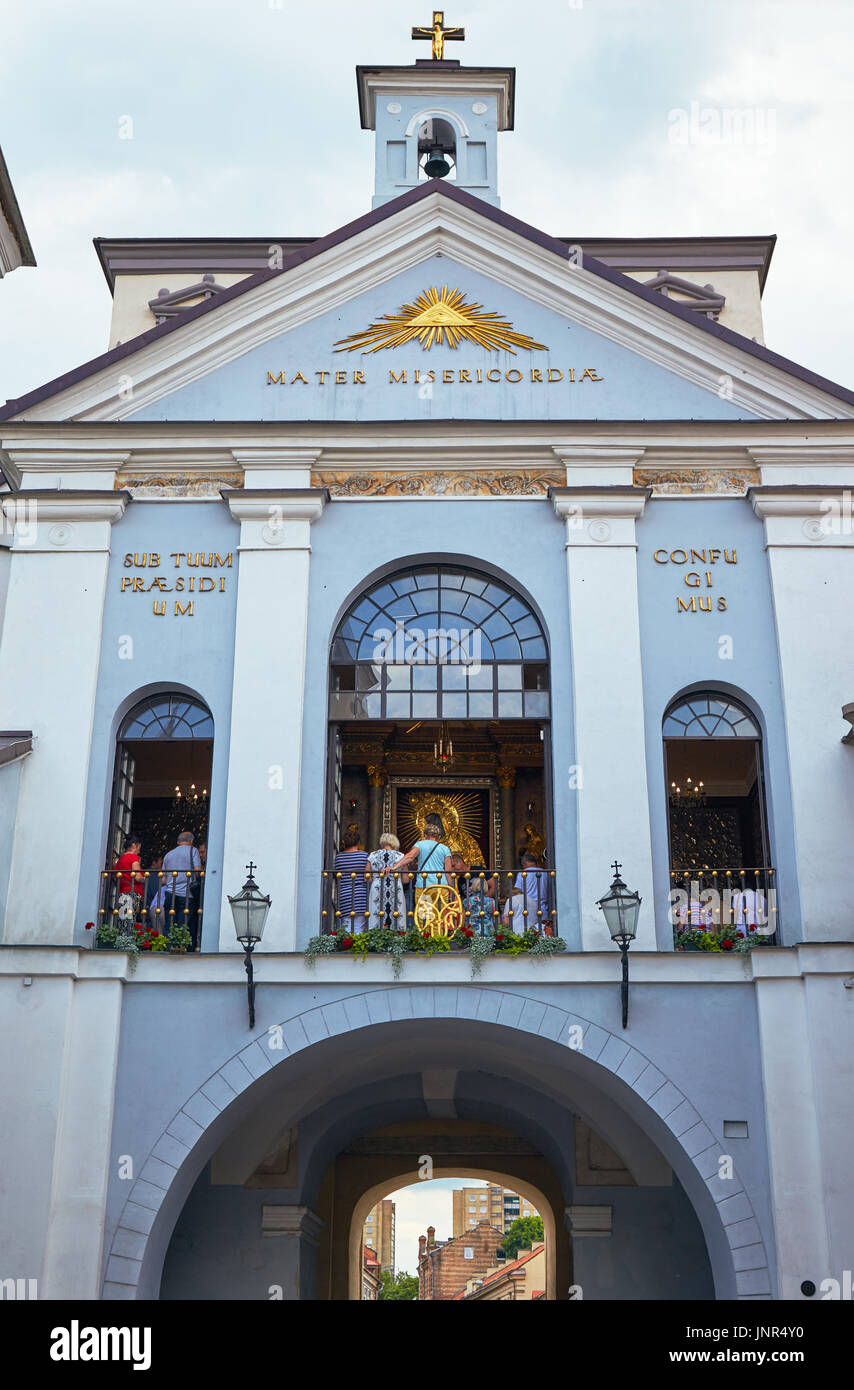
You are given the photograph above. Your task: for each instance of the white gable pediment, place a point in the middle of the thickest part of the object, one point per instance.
(659, 364)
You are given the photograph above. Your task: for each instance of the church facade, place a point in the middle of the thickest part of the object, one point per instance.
(435, 514)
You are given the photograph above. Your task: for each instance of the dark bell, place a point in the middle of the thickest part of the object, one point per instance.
(437, 166)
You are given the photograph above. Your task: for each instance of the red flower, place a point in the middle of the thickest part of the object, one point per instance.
(346, 942)
(155, 933)
(752, 927)
(466, 932)
(740, 933)
(500, 936)
(89, 926)
(727, 944)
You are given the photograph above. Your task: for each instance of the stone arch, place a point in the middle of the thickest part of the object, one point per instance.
(723, 1207)
(443, 113)
(447, 1168)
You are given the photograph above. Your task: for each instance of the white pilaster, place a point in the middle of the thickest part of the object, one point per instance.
(271, 465)
(71, 1268)
(49, 656)
(809, 535)
(613, 807)
(794, 1149)
(265, 750)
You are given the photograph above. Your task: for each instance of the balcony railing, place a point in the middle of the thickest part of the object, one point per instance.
(437, 904)
(721, 900)
(157, 901)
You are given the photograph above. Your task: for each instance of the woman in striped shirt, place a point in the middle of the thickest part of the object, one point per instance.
(351, 865)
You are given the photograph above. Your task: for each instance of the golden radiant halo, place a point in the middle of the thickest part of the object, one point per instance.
(443, 317)
(461, 814)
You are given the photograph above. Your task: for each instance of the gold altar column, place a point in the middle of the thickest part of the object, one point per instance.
(377, 779)
(506, 782)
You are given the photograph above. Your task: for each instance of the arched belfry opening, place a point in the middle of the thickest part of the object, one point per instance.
(437, 149)
(439, 703)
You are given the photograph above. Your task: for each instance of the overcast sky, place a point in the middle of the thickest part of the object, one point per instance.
(245, 123)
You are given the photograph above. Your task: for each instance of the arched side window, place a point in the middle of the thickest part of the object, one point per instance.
(718, 828)
(161, 783)
(439, 642)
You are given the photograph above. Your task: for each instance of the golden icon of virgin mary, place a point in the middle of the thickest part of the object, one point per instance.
(460, 815)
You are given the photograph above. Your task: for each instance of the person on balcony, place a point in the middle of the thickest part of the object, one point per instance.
(127, 872)
(528, 904)
(180, 868)
(477, 890)
(386, 901)
(434, 880)
(351, 873)
(430, 857)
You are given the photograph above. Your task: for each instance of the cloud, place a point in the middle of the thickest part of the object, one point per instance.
(245, 123)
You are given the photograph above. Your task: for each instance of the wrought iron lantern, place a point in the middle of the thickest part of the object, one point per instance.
(249, 909)
(621, 908)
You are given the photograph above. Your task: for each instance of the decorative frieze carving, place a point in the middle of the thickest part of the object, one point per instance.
(721, 482)
(520, 482)
(192, 485)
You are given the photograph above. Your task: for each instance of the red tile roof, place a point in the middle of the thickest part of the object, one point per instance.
(513, 1264)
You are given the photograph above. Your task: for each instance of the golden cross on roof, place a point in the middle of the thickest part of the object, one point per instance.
(438, 33)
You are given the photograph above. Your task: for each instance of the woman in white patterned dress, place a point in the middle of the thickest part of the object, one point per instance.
(386, 895)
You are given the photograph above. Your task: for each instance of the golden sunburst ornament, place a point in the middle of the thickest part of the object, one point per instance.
(440, 316)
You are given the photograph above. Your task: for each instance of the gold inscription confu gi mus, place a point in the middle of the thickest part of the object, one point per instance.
(697, 578)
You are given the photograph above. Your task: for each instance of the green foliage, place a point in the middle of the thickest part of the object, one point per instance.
(402, 1287)
(180, 939)
(523, 1233)
(721, 942)
(397, 942)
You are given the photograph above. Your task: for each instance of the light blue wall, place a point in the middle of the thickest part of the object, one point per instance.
(5, 571)
(194, 654)
(631, 388)
(10, 781)
(656, 1251)
(217, 1250)
(522, 542)
(681, 650)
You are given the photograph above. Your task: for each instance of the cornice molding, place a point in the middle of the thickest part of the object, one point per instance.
(439, 81)
(345, 270)
(614, 502)
(289, 504)
(291, 1221)
(805, 517)
(54, 505)
(590, 1221)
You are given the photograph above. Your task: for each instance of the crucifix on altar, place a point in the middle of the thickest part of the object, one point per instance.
(438, 34)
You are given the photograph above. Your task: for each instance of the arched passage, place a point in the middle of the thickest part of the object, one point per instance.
(545, 1205)
(377, 1032)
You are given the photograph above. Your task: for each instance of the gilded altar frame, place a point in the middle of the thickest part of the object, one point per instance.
(461, 784)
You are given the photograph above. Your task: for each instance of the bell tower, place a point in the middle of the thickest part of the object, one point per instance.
(436, 119)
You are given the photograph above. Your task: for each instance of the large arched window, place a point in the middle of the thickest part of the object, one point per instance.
(718, 826)
(439, 700)
(439, 642)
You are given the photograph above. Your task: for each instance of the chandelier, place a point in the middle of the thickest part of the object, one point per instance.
(189, 792)
(692, 794)
(443, 749)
